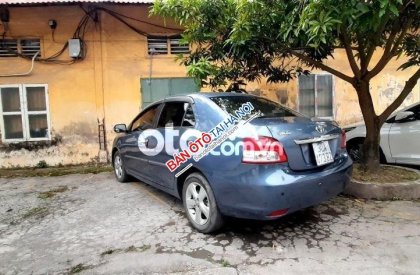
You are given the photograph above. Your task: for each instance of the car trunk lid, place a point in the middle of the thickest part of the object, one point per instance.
(297, 134)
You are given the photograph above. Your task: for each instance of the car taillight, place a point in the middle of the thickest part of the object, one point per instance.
(278, 213)
(263, 150)
(343, 139)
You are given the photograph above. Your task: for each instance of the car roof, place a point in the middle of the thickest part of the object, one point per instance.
(409, 107)
(220, 94)
(203, 94)
(188, 97)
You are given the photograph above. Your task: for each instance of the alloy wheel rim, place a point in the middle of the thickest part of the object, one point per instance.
(197, 202)
(118, 166)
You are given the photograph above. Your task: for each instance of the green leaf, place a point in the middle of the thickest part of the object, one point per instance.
(381, 12)
(394, 10)
(362, 7)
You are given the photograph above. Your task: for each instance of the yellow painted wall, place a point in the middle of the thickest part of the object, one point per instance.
(106, 84)
(385, 87)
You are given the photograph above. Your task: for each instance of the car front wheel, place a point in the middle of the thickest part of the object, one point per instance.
(355, 151)
(200, 204)
(119, 169)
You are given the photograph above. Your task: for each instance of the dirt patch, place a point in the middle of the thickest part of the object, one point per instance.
(54, 171)
(385, 174)
(51, 193)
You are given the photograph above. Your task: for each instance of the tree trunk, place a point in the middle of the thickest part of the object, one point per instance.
(370, 157)
(370, 151)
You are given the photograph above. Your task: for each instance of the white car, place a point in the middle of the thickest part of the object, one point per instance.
(400, 138)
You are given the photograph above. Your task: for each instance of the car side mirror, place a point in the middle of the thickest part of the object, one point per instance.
(120, 128)
(404, 116)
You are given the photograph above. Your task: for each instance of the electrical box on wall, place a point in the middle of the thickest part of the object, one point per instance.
(75, 49)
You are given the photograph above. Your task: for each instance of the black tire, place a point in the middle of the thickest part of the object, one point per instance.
(382, 158)
(119, 169)
(355, 149)
(214, 221)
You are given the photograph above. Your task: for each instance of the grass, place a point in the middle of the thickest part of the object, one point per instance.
(36, 212)
(42, 164)
(131, 248)
(54, 171)
(51, 193)
(109, 252)
(386, 174)
(137, 248)
(78, 268)
(225, 263)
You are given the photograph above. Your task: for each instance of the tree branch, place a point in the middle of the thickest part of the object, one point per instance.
(409, 85)
(362, 55)
(347, 46)
(390, 49)
(322, 66)
(401, 37)
(381, 29)
(377, 37)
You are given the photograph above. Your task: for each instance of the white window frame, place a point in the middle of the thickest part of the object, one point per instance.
(316, 95)
(24, 113)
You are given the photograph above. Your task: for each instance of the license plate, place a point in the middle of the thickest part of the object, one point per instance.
(322, 153)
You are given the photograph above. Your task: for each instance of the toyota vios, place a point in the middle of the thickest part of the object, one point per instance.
(228, 154)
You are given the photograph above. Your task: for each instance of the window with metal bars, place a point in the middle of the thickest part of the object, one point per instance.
(157, 45)
(8, 47)
(30, 47)
(165, 45)
(177, 46)
(14, 47)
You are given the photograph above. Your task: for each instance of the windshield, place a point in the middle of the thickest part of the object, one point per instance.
(267, 108)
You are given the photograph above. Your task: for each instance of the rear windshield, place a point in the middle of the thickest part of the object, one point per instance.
(267, 108)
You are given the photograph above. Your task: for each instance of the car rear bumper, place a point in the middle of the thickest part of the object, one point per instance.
(260, 191)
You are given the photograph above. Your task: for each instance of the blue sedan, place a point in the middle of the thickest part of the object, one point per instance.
(266, 160)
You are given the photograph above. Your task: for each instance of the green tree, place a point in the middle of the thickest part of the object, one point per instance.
(279, 39)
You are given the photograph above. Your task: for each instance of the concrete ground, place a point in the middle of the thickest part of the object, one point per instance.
(93, 224)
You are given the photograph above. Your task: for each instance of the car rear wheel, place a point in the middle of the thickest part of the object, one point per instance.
(200, 204)
(119, 169)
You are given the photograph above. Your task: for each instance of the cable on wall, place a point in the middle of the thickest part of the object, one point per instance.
(139, 20)
(80, 32)
(23, 74)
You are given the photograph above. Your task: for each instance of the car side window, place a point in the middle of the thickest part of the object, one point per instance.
(173, 114)
(145, 121)
(189, 118)
(416, 111)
